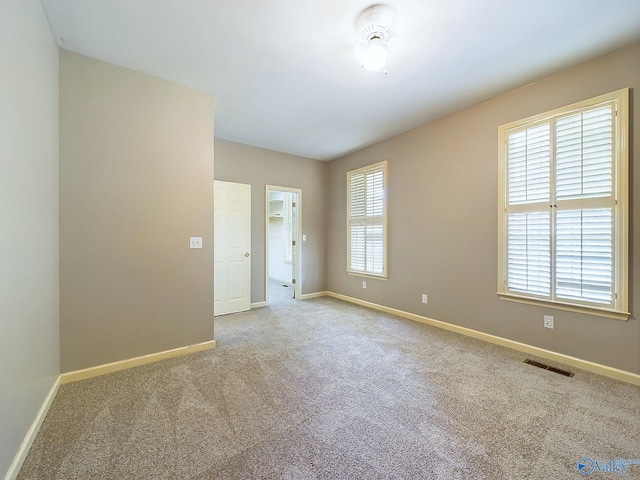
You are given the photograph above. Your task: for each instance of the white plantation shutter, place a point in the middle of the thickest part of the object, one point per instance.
(375, 193)
(529, 252)
(357, 200)
(528, 215)
(584, 251)
(564, 206)
(366, 218)
(529, 169)
(358, 248)
(375, 249)
(584, 153)
(584, 236)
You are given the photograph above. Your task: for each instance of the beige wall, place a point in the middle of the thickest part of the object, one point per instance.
(136, 181)
(443, 220)
(29, 342)
(259, 167)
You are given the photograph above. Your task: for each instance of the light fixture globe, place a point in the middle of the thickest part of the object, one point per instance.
(375, 56)
(374, 34)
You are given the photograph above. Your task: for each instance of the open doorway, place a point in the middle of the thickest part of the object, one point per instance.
(283, 227)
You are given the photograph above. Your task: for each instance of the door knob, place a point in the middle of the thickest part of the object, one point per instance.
(246, 254)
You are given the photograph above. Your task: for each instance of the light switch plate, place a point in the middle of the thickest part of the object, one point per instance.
(195, 242)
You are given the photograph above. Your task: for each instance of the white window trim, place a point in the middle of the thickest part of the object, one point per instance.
(384, 275)
(621, 211)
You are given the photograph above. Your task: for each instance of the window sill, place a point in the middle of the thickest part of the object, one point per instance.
(599, 312)
(368, 275)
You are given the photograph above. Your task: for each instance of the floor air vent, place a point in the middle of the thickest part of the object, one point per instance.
(549, 367)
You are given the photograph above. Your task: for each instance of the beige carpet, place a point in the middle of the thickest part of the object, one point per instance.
(322, 389)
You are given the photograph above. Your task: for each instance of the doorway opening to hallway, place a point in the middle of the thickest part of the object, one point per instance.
(283, 245)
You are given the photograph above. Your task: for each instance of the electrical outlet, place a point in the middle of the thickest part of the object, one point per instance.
(424, 298)
(195, 242)
(548, 321)
(364, 284)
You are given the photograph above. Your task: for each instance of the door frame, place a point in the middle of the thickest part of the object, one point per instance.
(297, 273)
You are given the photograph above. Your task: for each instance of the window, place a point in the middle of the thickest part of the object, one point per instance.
(563, 212)
(367, 220)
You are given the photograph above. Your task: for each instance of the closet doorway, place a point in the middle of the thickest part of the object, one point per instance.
(284, 247)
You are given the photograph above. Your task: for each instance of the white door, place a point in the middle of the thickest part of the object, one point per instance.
(231, 248)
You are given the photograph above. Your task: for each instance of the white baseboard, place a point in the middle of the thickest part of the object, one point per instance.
(308, 296)
(133, 362)
(18, 460)
(605, 370)
(258, 305)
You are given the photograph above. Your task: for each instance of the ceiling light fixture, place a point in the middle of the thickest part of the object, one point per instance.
(374, 36)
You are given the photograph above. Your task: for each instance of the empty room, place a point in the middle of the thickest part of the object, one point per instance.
(320, 239)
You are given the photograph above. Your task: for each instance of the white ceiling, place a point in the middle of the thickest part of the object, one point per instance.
(285, 77)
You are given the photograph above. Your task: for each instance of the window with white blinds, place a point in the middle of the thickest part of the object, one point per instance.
(563, 213)
(367, 220)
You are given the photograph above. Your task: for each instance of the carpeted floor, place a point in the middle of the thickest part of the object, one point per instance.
(322, 389)
(280, 292)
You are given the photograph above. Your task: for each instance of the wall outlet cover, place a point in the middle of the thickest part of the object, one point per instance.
(548, 321)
